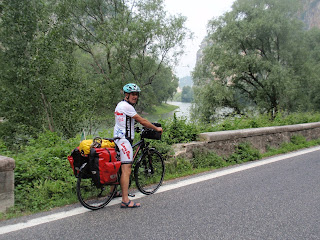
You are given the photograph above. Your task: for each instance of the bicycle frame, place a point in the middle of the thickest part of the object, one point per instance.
(140, 145)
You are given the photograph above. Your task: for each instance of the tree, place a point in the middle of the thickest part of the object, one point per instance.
(257, 50)
(128, 41)
(64, 62)
(187, 94)
(40, 86)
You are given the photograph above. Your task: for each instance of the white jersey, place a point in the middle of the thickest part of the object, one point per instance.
(124, 126)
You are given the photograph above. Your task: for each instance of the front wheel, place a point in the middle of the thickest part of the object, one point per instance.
(93, 197)
(149, 172)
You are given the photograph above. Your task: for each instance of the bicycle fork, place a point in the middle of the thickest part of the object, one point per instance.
(149, 170)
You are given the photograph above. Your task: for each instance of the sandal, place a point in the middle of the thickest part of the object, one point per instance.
(126, 205)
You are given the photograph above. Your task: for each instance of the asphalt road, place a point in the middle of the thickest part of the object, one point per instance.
(277, 200)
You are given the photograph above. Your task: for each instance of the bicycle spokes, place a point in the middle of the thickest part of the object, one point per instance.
(149, 172)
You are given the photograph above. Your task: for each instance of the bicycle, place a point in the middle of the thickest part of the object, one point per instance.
(148, 172)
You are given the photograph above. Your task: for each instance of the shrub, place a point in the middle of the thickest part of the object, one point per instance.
(243, 153)
(298, 139)
(43, 177)
(207, 160)
(178, 130)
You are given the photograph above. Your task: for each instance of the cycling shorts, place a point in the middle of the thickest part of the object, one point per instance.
(126, 151)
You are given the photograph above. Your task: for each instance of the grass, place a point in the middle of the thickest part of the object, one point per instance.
(163, 108)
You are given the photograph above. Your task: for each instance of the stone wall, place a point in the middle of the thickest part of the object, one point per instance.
(224, 142)
(7, 166)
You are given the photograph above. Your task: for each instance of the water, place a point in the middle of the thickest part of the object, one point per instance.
(182, 111)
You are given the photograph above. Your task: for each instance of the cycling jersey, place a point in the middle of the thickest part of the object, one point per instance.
(124, 126)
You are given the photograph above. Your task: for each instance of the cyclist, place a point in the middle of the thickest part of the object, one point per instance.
(125, 116)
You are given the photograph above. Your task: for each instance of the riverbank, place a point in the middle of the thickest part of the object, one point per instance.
(163, 111)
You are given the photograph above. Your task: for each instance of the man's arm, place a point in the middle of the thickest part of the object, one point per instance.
(146, 123)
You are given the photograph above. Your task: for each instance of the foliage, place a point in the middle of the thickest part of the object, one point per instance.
(127, 41)
(207, 160)
(177, 130)
(259, 55)
(187, 94)
(43, 177)
(176, 97)
(208, 100)
(244, 153)
(41, 82)
(65, 62)
(296, 142)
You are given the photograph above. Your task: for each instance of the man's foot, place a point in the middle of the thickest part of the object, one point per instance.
(130, 204)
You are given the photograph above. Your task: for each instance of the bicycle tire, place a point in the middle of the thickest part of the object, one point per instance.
(149, 172)
(91, 196)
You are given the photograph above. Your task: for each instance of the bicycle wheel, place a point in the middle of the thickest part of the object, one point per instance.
(93, 197)
(149, 172)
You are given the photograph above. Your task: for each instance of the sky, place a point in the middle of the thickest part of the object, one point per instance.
(198, 14)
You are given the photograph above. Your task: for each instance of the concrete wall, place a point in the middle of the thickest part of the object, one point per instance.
(7, 166)
(224, 142)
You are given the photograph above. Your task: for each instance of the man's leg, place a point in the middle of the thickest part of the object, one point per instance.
(124, 183)
(126, 155)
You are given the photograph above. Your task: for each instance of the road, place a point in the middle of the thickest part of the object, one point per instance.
(276, 198)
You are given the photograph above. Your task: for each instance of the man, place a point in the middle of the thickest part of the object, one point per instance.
(125, 116)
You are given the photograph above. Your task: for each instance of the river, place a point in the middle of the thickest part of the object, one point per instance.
(183, 111)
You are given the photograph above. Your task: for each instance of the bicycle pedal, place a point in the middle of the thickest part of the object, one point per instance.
(131, 195)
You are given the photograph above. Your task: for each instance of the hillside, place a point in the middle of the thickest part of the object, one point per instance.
(185, 81)
(311, 13)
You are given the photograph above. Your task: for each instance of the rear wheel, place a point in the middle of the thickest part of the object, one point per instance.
(149, 172)
(93, 197)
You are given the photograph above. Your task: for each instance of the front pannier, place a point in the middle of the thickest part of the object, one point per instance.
(104, 165)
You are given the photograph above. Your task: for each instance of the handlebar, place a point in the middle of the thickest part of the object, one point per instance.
(137, 130)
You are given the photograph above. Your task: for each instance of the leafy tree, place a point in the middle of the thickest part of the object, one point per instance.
(208, 101)
(61, 61)
(312, 44)
(128, 41)
(187, 94)
(257, 50)
(40, 87)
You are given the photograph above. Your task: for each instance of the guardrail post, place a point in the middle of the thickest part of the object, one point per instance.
(7, 166)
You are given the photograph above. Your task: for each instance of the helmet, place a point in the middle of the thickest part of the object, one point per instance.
(131, 87)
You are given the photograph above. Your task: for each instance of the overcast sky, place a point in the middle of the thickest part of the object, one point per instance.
(198, 13)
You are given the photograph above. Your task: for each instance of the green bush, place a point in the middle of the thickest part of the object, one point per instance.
(244, 153)
(178, 166)
(43, 177)
(207, 160)
(178, 130)
(298, 139)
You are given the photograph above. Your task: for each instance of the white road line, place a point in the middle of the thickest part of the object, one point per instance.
(182, 183)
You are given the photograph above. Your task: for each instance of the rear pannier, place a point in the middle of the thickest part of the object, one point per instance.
(99, 163)
(104, 166)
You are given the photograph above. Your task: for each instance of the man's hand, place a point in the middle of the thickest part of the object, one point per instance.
(146, 123)
(159, 129)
